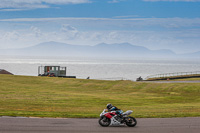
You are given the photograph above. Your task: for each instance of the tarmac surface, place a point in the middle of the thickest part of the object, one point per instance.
(50, 125)
(164, 81)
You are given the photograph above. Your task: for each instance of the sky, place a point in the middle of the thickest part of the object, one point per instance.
(154, 24)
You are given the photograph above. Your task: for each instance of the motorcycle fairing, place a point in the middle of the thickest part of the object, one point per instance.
(114, 122)
(110, 114)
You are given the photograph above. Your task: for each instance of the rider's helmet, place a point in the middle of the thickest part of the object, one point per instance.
(109, 106)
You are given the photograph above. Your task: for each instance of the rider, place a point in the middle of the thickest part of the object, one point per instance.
(110, 107)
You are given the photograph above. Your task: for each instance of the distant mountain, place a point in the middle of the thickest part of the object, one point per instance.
(191, 55)
(100, 50)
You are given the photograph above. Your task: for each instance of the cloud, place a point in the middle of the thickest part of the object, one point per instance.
(122, 23)
(69, 32)
(50, 19)
(154, 33)
(36, 31)
(178, 41)
(13, 36)
(11, 10)
(16, 5)
(128, 16)
(67, 28)
(173, 0)
(115, 1)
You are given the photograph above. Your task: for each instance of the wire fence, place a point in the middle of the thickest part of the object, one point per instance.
(165, 75)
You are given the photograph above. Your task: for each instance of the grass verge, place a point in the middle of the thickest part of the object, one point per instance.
(177, 78)
(76, 98)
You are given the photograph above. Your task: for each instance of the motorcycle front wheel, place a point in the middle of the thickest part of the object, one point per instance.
(131, 122)
(104, 121)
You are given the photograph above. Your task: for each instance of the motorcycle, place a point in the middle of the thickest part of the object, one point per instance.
(111, 118)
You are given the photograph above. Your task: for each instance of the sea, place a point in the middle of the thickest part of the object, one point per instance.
(99, 68)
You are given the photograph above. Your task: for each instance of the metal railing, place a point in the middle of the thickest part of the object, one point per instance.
(165, 75)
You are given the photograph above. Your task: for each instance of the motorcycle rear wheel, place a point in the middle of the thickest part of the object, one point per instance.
(104, 121)
(131, 122)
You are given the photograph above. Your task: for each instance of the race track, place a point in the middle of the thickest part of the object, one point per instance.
(145, 125)
(171, 81)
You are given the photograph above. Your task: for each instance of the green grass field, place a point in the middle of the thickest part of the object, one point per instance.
(61, 97)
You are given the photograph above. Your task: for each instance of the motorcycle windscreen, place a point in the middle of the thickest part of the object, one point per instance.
(127, 112)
